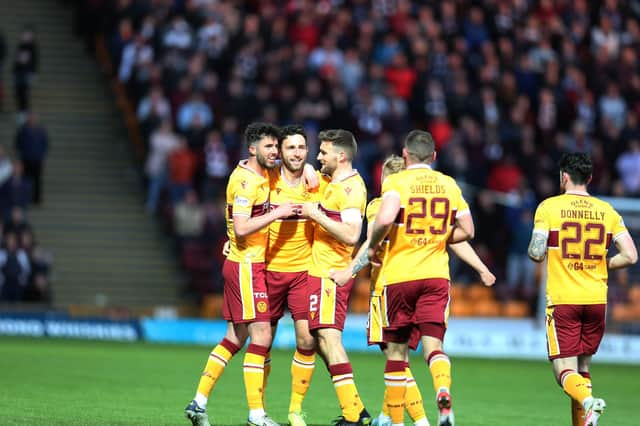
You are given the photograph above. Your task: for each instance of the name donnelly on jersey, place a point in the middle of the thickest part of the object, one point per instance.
(581, 214)
(427, 189)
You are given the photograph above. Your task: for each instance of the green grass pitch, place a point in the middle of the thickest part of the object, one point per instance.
(55, 382)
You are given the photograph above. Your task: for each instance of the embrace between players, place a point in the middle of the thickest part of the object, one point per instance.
(291, 237)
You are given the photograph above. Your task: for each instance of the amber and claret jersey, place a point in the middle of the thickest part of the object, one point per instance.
(377, 283)
(580, 230)
(290, 239)
(430, 202)
(247, 195)
(327, 252)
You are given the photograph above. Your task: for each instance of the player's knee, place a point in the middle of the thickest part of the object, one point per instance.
(260, 334)
(306, 342)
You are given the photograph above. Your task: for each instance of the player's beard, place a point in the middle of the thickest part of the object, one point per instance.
(290, 166)
(264, 162)
(327, 169)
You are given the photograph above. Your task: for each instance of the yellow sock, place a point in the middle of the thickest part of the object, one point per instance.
(302, 368)
(413, 398)
(574, 385)
(440, 368)
(577, 410)
(385, 407)
(218, 360)
(254, 375)
(350, 403)
(395, 381)
(267, 371)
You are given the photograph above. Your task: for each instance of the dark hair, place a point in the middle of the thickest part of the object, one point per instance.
(578, 166)
(342, 139)
(290, 130)
(256, 131)
(419, 145)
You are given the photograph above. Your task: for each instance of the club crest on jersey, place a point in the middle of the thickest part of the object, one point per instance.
(243, 184)
(278, 189)
(347, 190)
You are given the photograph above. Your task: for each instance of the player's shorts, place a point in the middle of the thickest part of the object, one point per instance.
(421, 304)
(245, 293)
(287, 289)
(574, 330)
(328, 303)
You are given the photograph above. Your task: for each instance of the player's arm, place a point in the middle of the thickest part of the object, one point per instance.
(464, 230)
(387, 214)
(342, 276)
(627, 253)
(347, 231)
(538, 245)
(468, 255)
(244, 225)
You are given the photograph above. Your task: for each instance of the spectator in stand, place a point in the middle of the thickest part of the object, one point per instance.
(628, 166)
(17, 222)
(195, 106)
(188, 218)
(182, 169)
(152, 110)
(16, 191)
(39, 286)
(217, 166)
(14, 269)
(3, 58)
(25, 67)
(32, 144)
(163, 142)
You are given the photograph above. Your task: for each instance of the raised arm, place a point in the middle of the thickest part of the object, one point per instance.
(245, 225)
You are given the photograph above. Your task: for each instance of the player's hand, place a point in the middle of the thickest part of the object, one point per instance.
(286, 210)
(309, 210)
(340, 277)
(226, 248)
(310, 177)
(487, 278)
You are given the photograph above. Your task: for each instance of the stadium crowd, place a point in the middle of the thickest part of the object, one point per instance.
(504, 87)
(25, 266)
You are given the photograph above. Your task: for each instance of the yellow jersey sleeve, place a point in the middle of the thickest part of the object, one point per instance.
(327, 252)
(247, 195)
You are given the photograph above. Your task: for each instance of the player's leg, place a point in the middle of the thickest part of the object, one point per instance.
(330, 347)
(564, 325)
(593, 326)
(277, 287)
(216, 363)
(302, 368)
(303, 362)
(253, 369)
(432, 312)
(395, 379)
(413, 397)
(577, 410)
(327, 313)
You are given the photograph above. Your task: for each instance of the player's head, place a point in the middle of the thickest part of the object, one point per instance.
(419, 147)
(392, 164)
(262, 142)
(293, 147)
(575, 168)
(336, 146)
